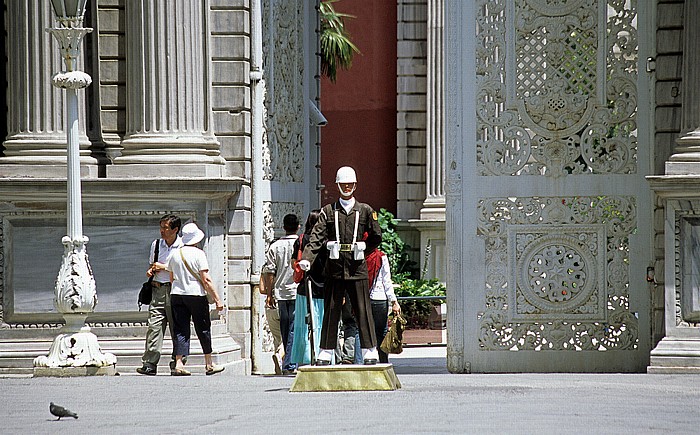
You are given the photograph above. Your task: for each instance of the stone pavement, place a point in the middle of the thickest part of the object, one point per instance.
(431, 401)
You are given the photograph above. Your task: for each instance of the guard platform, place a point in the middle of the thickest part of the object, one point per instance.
(351, 377)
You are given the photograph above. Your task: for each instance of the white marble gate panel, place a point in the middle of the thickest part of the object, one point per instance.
(549, 141)
(561, 284)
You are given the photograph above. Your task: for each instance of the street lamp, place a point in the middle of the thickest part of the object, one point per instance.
(75, 295)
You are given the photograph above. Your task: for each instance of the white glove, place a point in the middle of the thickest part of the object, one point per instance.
(304, 265)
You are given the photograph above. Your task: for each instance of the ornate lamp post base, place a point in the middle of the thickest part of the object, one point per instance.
(75, 352)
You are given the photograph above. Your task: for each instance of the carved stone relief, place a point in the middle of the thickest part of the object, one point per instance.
(283, 57)
(555, 97)
(273, 214)
(557, 273)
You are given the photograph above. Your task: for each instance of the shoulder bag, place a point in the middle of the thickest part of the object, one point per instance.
(298, 273)
(210, 299)
(146, 293)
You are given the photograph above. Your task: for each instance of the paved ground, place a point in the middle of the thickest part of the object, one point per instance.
(431, 401)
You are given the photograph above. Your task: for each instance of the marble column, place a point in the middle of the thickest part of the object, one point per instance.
(432, 215)
(434, 205)
(168, 108)
(35, 145)
(686, 157)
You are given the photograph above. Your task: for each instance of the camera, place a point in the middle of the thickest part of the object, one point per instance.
(316, 118)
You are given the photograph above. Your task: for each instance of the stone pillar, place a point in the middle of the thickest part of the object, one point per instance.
(679, 349)
(434, 205)
(432, 215)
(36, 140)
(168, 108)
(686, 157)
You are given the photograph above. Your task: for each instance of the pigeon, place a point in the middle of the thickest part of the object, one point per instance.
(60, 411)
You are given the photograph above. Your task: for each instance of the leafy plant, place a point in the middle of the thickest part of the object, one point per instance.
(337, 50)
(404, 273)
(400, 263)
(418, 311)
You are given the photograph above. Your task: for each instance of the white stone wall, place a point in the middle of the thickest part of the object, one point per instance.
(667, 95)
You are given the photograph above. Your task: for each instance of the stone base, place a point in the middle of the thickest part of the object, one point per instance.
(66, 372)
(379, 377)
(682, 168)
(675, 356)
(17, 355)
(45, 171)
(137, 170)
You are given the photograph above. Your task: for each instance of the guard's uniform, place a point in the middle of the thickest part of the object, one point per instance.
(345, 273)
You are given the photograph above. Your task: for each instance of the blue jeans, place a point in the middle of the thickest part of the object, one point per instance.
(286, 310)
(380, 313)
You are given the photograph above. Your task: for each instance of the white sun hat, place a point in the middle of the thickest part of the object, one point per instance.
(191, 234)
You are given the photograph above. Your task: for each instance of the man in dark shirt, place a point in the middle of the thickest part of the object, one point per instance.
(341, 229)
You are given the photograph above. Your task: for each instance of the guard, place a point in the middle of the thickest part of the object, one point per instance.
(340, 229)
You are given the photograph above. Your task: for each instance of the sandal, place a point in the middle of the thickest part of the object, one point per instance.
(214, 370)
(179, 372)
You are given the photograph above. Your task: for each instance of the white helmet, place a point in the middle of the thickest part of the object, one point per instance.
(346, 174)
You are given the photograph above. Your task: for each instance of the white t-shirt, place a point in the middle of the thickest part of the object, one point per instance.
(279, 263)
(184, 283)
(164, 254)
(383, 288)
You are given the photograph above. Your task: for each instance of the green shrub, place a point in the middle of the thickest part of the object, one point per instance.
(404, 273)
(400, 263)
(417, 312)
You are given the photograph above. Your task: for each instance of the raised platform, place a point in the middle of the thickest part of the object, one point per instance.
(379, 377)
(66, 372)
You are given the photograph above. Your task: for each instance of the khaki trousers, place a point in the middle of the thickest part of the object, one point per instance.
(159, 320)
(273, 321)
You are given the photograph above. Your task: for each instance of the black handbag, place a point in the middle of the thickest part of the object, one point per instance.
(146, 293)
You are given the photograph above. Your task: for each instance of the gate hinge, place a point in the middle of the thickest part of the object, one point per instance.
(651, 64)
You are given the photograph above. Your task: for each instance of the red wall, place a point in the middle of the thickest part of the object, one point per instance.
(361, 107)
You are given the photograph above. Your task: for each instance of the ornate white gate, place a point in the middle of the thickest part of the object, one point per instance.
(547, 151)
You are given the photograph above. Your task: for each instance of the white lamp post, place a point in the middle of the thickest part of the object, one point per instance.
(75, 294)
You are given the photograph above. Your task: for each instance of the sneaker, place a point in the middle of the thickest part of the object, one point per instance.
(289, 372)
(147, 370)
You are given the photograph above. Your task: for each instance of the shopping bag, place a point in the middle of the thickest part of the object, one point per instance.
(393, 341)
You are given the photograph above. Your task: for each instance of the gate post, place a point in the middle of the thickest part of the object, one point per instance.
(679, 350)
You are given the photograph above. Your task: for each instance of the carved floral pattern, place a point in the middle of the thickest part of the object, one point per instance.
(545, 103)
(285, 107)
(557, 273)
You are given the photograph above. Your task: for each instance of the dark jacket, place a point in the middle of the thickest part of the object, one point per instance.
(345, 267)
(316, 272)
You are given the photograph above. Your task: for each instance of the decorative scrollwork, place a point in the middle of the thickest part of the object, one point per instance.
(284, 153)
(557, 273)
(545, 103)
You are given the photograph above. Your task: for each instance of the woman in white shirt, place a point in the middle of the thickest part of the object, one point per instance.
(191, 283)
(381, 295)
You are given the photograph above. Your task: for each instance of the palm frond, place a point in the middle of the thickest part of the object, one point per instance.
(337, 50)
